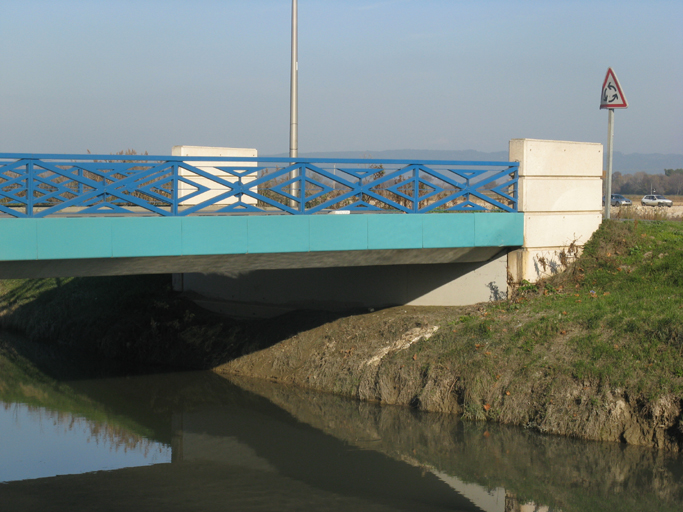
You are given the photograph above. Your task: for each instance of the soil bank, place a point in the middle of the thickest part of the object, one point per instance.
(395, 356)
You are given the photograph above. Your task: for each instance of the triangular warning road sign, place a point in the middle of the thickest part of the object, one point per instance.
(612, 96)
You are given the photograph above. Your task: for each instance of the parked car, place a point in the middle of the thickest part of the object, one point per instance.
(656, 200)
(618, 200)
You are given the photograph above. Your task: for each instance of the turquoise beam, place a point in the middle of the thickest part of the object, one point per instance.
(123, 237)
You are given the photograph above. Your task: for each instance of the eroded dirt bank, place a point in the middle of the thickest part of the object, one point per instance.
(402, 356)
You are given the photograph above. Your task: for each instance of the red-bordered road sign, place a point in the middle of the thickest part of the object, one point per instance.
(612, 96)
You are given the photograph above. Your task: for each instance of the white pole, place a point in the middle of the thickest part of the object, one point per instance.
(610, 144)
(294, 86)
(293, 101)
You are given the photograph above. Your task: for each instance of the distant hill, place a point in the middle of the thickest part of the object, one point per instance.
(409, 154)
(652, 163)
(418, 154)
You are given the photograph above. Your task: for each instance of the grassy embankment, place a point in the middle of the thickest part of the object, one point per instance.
(595, 352)
(614, 319)
(618, 311)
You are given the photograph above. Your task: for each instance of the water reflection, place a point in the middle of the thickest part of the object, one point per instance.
(259, 446)
(36, 442)
(498, 468)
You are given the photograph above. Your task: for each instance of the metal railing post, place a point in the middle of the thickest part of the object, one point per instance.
(175, 194)
(29, 188)
(416, 189)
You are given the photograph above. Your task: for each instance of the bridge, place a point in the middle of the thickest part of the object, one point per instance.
(248, 228)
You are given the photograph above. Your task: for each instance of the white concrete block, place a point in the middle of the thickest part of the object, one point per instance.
(212, 168)
(214, 187)
(556, 158)
(562, 194)
(534, 264)
(213, 151)
(559, 230)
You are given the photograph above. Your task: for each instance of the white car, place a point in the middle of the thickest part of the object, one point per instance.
(656, 200)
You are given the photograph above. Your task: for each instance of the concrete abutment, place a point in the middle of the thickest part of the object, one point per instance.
(560, 195)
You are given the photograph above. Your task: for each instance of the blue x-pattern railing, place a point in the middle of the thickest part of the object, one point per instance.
(45, 185)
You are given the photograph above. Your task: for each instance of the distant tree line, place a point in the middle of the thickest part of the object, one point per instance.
(671, 182)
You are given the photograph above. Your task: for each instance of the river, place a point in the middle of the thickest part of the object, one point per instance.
(197, 441)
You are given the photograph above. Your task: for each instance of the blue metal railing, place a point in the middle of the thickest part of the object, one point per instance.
(41, 185)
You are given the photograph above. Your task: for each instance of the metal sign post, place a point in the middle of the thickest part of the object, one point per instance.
(612, 97)
(608, 178)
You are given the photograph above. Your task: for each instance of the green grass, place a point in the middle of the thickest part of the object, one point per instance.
(615, 317)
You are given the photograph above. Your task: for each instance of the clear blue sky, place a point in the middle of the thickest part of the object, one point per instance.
(107, 75)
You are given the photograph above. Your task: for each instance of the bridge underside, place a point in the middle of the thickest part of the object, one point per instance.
(268, 292)
(240, 263)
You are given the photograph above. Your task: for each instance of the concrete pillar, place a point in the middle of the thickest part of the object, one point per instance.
(560, 194)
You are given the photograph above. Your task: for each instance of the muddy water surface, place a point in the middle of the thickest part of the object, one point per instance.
(196, 441)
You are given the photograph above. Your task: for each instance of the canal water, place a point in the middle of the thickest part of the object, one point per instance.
(197, 441)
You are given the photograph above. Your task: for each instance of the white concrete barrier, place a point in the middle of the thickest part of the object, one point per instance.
(560, 194)
(185, 189)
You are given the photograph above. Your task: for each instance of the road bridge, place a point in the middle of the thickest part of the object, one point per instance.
(298, 231)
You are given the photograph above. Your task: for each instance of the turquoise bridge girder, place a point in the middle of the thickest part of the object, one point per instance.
(112, 214)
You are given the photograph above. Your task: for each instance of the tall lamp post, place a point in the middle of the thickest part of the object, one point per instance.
(293, 104)
(294, 88)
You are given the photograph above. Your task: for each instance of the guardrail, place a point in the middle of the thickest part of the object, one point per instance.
(41, 185)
